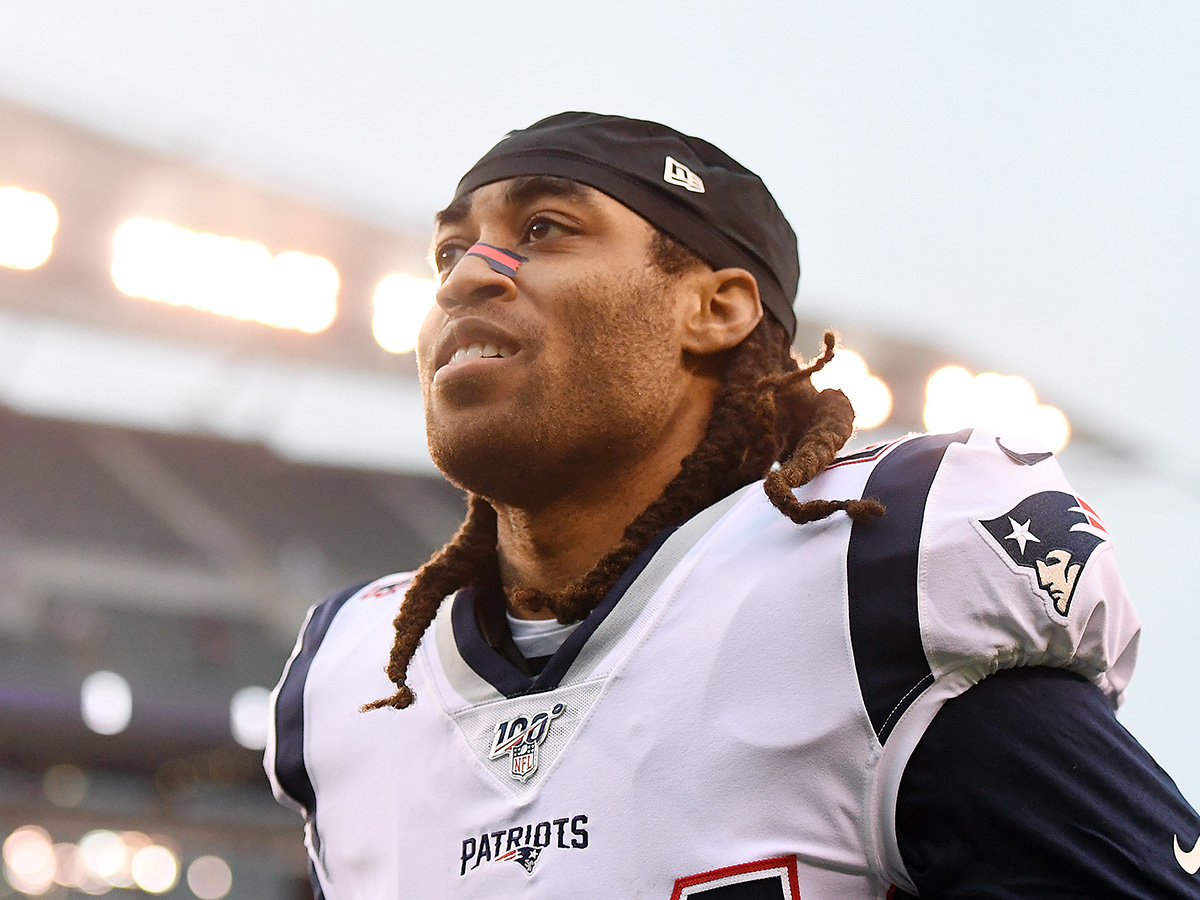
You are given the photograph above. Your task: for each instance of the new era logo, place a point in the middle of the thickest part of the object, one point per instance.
(679, 174)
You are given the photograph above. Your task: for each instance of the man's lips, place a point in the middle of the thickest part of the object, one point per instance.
(463, 340)
(479, 351)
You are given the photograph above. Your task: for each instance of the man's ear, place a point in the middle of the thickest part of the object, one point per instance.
(723, 308)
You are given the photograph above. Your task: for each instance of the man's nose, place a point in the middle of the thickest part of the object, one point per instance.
(473, 281)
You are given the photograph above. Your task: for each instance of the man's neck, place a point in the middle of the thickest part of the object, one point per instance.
(555, 545)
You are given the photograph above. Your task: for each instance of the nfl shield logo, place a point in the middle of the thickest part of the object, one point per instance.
(524, 764)
(520, 737)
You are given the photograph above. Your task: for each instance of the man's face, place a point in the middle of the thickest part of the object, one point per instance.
(533, 383)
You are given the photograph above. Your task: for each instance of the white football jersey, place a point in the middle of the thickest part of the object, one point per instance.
(731, 722)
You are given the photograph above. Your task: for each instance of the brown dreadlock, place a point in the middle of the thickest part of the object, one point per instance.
(766, 411)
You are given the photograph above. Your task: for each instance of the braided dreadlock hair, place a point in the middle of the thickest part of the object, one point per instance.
(766, 411)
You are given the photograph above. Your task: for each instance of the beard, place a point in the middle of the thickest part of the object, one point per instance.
(598, 378)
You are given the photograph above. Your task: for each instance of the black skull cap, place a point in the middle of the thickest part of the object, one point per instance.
(683, 185)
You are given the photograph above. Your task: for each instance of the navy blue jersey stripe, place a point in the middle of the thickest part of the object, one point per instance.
(290, 770)
(314, 882)
(881, 576)
(486, 662)
(556, 669)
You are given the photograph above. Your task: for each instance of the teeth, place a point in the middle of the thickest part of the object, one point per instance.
(479, 351)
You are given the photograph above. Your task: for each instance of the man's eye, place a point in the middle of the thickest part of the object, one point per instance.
(540, 229)
(447, 256)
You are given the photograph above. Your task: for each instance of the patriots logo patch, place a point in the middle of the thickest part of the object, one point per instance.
(384, 590)
(526, 856)
(1053, 533)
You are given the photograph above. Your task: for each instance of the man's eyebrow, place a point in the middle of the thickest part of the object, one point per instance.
(527, 188)
(457, 212)
(520, 191)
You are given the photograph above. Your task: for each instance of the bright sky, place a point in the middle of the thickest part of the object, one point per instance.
(1016, 181)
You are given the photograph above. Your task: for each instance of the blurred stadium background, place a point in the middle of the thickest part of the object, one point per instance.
(209, 415)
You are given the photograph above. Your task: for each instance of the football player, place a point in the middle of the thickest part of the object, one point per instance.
(680, 647)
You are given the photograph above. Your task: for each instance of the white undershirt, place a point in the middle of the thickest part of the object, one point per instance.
(538, 637)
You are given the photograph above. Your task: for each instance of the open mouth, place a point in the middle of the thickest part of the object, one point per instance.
(479, 351)
(469, 339)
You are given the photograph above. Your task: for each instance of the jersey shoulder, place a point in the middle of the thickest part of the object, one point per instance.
(985, 560)
(986, 556)
(356, 610)
(1015, 561)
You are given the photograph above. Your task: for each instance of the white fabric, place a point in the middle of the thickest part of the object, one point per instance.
(538, 637)
(718, 725)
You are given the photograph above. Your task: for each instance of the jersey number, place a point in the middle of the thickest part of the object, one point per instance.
(767, 879)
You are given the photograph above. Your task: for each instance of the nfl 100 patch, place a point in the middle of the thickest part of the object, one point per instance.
(521, 738)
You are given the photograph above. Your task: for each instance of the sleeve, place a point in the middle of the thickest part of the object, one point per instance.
(986, 561)
(331, 632)
(1026, 786)
(1016, 569)
(284, 756)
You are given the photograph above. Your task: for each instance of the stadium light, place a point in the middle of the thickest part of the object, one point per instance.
(224, 275)
(249, 717)
(869, 395)
(209, 877)
(28, 222)
(65, 784)
(106, 703)
(956, 399)
(106, 857)
(155, 869)
(29, 863)
(401, 302)
(71, 870)
(103, 860)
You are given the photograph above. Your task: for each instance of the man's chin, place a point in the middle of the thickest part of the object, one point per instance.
(486, 463)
